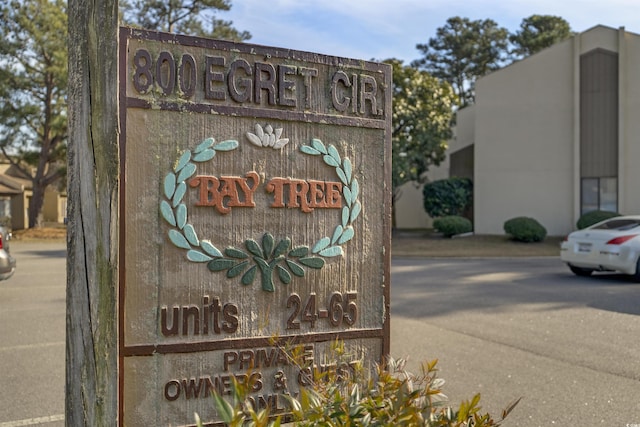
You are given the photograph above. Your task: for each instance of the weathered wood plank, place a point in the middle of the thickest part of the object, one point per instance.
(91, 354)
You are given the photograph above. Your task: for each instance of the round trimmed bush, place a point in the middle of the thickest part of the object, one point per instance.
(525, 229)
(452, 225)
(594, 217)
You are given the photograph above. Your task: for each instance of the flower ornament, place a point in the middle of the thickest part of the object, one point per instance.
(267, 137)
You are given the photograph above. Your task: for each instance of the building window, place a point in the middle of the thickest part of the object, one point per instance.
(5, 207)
(599, 194)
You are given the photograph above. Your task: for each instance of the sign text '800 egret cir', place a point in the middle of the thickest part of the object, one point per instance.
(255, 198)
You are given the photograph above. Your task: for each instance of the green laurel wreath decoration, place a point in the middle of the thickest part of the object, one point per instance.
(329, 247)
(268, 258)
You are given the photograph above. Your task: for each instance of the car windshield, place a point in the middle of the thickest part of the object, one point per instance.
(618, 224)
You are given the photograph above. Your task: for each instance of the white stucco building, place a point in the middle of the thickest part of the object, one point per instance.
(554, 135)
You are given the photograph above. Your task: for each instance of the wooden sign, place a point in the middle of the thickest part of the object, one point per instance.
(255, 212)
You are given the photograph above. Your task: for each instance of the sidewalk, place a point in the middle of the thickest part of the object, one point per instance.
(409, 243)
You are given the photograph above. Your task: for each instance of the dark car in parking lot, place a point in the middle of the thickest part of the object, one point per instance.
(7, 262)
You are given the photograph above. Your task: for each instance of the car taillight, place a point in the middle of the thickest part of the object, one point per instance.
(1, 244)
(620, 240)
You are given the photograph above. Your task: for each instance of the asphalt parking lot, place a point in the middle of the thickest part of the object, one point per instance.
(32, 337)
(514, 327)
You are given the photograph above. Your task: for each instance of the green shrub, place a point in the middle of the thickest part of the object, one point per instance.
(452, 225)
(447, 196)
(390, 397)
(525, 229)
(593, 217)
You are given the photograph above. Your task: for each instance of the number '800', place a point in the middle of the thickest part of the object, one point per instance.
(164, 72)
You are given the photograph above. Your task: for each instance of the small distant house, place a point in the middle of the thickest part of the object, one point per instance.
(15, 194)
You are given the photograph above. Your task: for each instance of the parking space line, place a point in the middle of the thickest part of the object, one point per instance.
(31, 347)
(33, 421)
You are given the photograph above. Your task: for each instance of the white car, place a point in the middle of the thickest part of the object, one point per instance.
(610, 245)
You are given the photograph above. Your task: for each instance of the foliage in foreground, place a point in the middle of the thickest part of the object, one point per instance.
(525, 229)
(594, 217)
(393, 397)
(452, 225)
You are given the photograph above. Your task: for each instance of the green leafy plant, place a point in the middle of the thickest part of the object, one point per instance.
(389, 396)
(525, 229)
(239, 412)
(392, 397)
(452, 225)
(447, 197)
(594, 217)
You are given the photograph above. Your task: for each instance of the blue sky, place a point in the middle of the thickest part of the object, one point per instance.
(381, 29)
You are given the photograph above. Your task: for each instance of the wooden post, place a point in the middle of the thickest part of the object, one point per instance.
(91, 351)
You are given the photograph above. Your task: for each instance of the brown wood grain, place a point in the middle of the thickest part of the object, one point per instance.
(91, 361)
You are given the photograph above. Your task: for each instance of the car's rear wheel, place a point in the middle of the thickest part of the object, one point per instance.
(579, 271)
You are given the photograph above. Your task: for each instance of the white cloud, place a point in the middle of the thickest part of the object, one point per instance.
(382, 29)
